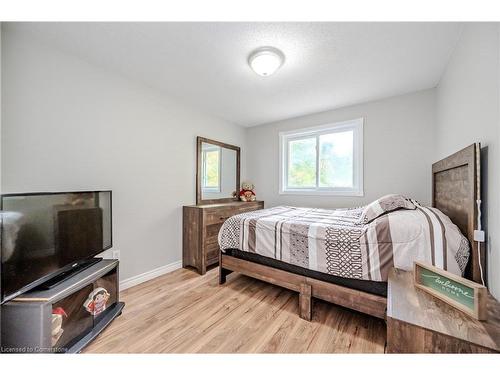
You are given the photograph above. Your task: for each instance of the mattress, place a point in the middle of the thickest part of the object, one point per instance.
(338, 243)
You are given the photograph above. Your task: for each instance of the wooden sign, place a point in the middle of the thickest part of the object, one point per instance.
(461, 293)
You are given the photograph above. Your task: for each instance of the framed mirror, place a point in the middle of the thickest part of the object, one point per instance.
(217, 171)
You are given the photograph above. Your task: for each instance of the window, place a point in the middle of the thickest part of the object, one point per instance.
(325, 160)
(211, 169)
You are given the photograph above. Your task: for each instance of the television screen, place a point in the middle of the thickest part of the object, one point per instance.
(44, 234)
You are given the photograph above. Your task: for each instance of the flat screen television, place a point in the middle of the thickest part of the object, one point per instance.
(46, 234)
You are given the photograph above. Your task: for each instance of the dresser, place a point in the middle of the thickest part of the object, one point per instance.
(201, 225)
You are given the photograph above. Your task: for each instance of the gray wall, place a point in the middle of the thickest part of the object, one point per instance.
(398, 151)
(68, 125)
(467, 112)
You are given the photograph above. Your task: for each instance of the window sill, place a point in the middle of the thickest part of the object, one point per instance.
(350, 193)
(210, 190)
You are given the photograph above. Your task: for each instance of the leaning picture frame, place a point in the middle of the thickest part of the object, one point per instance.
(461, 293)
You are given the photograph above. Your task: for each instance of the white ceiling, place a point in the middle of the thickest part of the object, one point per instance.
(328, 65)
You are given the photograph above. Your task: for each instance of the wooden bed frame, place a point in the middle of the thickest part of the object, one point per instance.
(454, 191)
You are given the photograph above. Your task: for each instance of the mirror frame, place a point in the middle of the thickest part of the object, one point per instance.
(199, 198)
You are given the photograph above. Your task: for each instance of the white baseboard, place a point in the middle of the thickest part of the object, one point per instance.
(146, 276)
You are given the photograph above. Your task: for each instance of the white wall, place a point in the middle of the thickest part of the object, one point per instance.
(398, 151)
(468, 111)
(68, 125)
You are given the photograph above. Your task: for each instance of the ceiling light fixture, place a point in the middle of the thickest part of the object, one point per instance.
(266, 60)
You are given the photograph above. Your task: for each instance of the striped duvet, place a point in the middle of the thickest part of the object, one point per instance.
(334, 242)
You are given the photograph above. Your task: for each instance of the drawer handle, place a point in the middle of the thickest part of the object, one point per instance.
(222, 218)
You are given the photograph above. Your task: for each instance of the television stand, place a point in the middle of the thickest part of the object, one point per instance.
(79, 267)
(67, 317)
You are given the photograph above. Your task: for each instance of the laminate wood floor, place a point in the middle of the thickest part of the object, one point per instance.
(183, 312)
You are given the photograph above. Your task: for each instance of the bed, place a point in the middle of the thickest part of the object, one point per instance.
(344, 256)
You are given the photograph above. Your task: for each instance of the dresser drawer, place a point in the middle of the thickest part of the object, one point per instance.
(212, 232)
(219, 215)
(212, 253)
(250, 206)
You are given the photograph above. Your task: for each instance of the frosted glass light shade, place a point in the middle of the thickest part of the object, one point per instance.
(266, 60)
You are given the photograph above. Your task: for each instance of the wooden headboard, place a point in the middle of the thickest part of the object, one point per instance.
(454, 192)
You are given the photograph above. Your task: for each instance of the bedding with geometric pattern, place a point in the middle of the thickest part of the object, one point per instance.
(335, 242)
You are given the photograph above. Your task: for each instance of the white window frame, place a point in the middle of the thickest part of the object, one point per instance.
(205, 188)
(356, 126)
